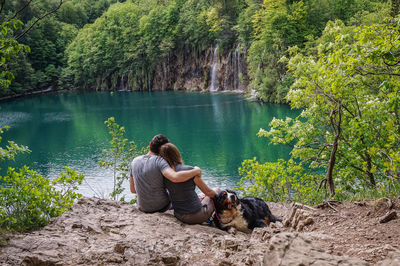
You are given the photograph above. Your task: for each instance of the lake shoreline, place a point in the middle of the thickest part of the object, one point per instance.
(30, 94)
(50, 91)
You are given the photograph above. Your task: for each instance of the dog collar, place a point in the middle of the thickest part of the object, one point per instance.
(216, 214)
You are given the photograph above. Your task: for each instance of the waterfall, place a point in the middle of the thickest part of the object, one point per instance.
(165, 77)
(253, 95)
(214, 71)
(233, 70)
(236, 68)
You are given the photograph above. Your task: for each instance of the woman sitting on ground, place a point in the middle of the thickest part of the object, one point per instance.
(188, 207)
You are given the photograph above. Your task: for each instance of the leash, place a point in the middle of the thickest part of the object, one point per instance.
(216, 214)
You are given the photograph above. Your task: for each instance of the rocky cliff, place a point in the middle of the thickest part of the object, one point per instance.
(104, 232)
(210, 70)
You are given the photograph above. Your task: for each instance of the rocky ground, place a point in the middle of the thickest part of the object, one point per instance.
(104, 232)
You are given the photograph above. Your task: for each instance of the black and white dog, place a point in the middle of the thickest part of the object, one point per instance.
(243, 214)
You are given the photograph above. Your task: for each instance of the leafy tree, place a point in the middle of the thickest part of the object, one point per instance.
(276, 27)
(73, 14)
(19, 20)
(9, 50)
(46, 35)
(349, 127)
(119, 156)
(279, 25)
(195, 21)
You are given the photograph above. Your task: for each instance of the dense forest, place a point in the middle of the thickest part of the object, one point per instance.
(98, 45)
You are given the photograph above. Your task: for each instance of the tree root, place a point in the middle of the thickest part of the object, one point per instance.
(299, 216)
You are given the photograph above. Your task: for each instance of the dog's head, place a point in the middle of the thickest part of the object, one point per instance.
(226, 200)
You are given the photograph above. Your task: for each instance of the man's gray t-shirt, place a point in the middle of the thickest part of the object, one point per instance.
(149, 182)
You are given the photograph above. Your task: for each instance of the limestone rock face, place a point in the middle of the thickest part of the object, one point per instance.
(193, 71)
(105, 232)
(297, 249)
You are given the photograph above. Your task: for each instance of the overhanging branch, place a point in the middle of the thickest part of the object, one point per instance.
(21, 9)
(38, 19)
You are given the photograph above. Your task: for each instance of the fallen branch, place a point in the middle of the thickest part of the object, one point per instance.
(328, 203)
(388, 217)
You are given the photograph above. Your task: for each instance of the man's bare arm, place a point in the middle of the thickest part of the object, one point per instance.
(181, 176)
(132, 184)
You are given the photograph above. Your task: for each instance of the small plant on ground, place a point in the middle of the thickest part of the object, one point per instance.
(119, 156)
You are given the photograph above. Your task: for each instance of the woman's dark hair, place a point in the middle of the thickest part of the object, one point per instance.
(171, 154)
(157, 142)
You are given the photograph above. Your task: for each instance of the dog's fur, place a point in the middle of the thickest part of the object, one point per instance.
(243, 214)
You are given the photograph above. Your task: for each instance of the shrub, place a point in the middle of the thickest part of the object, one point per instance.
(279, 181)
(28, 200)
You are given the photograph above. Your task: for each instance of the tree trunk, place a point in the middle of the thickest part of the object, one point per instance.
(332, 159)
(369, 173)
(395, 8)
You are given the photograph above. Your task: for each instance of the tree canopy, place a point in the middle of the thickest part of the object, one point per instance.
(90, 44)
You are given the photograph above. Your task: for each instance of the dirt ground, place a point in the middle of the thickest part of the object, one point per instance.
(352, 228)
(105, 232)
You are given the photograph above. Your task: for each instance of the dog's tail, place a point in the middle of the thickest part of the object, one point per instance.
(275, 219)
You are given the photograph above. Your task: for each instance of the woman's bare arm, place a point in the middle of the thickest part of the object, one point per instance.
(203, 187)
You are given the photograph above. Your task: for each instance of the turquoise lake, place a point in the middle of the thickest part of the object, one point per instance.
(213, 131)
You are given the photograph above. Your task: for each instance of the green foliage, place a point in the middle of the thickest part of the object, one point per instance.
(119, 156)
(35, 61)
(198, 25)
(87, 10)
(357, 73)
(27, 199)
(95, 63)
(73, 14)
(279, 181)
(146, 33)
(12, 149)
(30, 200)
(349, 128)
(9, 50)
(279, 25)
(115, 42)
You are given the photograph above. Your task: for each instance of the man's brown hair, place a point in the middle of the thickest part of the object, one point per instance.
(157, 142)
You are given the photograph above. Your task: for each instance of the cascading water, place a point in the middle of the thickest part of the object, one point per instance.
(233, 71)
(214, 71)
(237, 70)
(227, 71)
